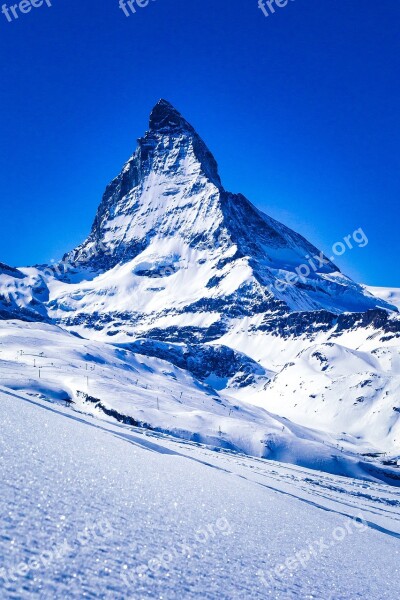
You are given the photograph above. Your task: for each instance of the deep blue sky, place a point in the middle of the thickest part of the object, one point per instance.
(301, 110)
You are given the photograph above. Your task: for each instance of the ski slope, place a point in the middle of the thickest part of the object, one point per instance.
(91, 509)
(48, 363)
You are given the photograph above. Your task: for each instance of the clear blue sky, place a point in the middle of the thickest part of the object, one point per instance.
(301, 110)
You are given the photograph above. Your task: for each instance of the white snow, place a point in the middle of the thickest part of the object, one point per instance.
(391, 295)
(49, 363)
(346, 385)
(90, 509)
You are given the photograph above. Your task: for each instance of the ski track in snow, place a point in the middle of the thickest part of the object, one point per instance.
(62, 472)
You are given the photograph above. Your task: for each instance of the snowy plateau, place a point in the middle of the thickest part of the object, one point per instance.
(175, 424)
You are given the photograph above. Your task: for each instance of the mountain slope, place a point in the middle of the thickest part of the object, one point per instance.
(23, 293)
(326, 400)
(390, 295)
(48, 363)
(171, 249)
(98, 510)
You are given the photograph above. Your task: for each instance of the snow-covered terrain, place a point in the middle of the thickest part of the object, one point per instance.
(196, 403)
(46, 362)
(390, 295)
(188, 311)
(344, 382)
(92, 509)
(173, 255)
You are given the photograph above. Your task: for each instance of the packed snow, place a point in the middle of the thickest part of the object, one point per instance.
(91, 509)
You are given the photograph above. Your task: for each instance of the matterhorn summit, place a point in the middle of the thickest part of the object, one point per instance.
(173, 255)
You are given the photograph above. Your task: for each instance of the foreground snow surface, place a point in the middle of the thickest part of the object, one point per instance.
(90, 509)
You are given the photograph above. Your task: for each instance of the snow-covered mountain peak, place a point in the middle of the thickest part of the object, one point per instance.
(169, 187)
(165, 118)
(169, 132)
(167, 215)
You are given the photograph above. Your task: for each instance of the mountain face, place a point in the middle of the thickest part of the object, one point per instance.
(172, 254)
